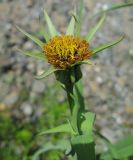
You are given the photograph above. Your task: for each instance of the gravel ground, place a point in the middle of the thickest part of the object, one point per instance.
(108, 83)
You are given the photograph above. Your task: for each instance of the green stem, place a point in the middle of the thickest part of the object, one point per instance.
(75, 98)
(82, 146)
(84, 149)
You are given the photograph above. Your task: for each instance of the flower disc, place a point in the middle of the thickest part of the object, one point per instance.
(64, 51)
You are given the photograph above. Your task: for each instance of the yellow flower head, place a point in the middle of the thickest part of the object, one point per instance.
(65, 50)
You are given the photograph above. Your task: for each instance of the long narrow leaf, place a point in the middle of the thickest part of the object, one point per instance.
(33, 38)
(87, 124)
(114, 7)
(86, 61)
(47, 73)
(45, 34)
(120, 150)
(59, 129)
(63, 145)
(70, 29)
(51, 27)
(107, 45)
(79, 18)
(37, 55)
(94, 29)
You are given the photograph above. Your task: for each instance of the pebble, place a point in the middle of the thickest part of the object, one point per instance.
(28, 45)
(2, 106)
(38, 86)
(129, 109)
(108, 133)
(29, 3)
(26, 108)
(31, 67)
(11, 99)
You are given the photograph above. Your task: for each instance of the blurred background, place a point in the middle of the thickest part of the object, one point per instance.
(28, 106)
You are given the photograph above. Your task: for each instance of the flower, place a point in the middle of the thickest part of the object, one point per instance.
(65, 50)
(68, 50)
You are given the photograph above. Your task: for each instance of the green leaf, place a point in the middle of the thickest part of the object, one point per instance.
(79, 18)
(120, 150)
(124, 147)
(107, 45)
(114, 7)
(33, 38)
(87, 124)
(61, 145)
(45, 34)
(59, 129)
(47, 73)
(51, 27)
(70, 29)
(94, 29)
(35, 54)
(86, 61)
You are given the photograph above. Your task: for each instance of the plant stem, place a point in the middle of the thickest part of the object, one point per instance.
(83, 148)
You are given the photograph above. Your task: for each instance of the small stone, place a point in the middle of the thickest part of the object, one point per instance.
(38, 86)
(29, 3)
(5, 63)
(28, 45)
(99, 80)
(129, 109)
(109, 134)
(8, 78)
(11, 99)
(117, 118)
(26, 108)
(2, 106)
(31, 67)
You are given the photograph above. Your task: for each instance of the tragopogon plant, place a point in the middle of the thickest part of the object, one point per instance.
(65, 54)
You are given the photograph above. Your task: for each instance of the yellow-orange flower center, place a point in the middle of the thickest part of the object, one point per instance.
(64, 51)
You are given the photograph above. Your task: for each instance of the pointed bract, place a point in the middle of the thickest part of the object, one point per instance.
(45, 34)
(107, 45)
(70, 28)
(35, 54)
(94, 29)
(33, 38)
(51, 27)
(47, 73)
(86, 61)
(79, 18)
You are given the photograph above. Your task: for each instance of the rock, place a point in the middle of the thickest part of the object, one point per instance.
(99, 79)
(9, 78)
(28, 45)
(129, 109)
(5, 63)
(117, 118)
(2, 106)
(109, 134)
(38, 86)
(31, 67)
(29, 3)
(11, 99)
(26, 108)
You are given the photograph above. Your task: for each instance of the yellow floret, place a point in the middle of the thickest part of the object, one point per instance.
(63, 51)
